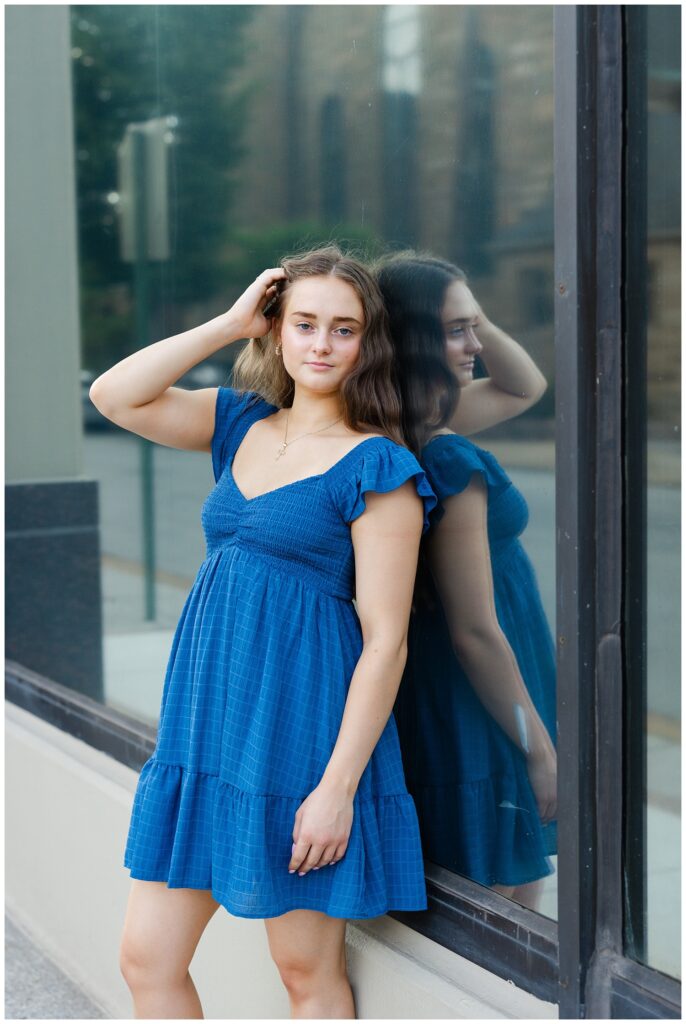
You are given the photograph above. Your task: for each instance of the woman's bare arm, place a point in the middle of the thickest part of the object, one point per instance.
(460, 562)
(137, 393)
(513, 385)
(386, 542)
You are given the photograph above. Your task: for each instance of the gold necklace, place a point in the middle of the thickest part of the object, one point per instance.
(284, 444)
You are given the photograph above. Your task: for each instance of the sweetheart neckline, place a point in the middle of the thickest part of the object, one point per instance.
(301, 480)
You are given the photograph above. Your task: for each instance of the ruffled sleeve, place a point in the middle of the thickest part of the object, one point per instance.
(450, 462)
(383, 467)
(231, 404)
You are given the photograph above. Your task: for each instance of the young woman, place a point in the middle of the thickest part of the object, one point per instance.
(276, 787)
(476, 709)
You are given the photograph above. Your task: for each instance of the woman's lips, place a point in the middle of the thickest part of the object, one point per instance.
(320, 366)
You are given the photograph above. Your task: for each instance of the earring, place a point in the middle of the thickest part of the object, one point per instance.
(278, 348)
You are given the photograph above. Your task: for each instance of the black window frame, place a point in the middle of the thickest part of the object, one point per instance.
(577, 961)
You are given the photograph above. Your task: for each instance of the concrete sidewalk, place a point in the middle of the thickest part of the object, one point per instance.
(35, 988)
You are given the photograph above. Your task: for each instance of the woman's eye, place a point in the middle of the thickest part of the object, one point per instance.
(457, 330)
(305, 327)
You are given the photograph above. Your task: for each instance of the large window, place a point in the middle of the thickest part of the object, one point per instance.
(388, 126)
(653, 709)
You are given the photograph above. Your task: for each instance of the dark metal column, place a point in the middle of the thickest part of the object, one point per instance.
(575, 140)
(609, 662)
(600, 225)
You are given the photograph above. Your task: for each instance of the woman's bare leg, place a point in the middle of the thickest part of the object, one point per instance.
(308, 947)
(527, 895)
(162, 929)
(505, 890)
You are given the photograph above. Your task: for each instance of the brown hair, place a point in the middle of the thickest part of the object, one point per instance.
(413, 286)
(370, 397)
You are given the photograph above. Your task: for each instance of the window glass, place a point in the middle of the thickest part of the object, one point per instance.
(274, 127)
(653, 706)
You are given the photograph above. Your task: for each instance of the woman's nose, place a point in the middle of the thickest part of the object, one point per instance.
(322, 342)
(473, 344)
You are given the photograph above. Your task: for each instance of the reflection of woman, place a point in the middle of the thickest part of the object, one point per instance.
(277, 754)
(476, 707)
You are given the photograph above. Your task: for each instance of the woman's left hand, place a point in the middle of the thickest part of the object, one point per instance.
(322, 828)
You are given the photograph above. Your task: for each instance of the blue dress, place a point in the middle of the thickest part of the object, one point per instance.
(254, 693)
(477, 811)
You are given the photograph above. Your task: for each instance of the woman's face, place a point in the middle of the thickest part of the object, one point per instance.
(461, 343)
(320, 332)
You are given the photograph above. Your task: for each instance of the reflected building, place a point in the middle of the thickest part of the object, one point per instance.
(342, 102)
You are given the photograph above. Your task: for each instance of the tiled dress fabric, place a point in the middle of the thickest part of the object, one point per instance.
(254, 693)
(477, 811)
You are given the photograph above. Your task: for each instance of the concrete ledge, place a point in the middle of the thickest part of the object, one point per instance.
(67, 814)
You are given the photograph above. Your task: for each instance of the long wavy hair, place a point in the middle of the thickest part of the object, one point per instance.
(413, 285)
(369, 394)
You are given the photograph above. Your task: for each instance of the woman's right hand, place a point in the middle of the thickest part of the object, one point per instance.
(246, 312)
(542, 771)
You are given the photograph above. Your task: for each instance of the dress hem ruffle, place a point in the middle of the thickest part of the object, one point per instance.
(192, 829)
(514, 848)
(301, 903)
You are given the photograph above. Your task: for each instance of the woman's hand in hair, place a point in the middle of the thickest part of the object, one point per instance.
(246, 313)
(480, 318)
(514, 382)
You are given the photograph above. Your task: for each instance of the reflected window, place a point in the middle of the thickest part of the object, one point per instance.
(401, 49)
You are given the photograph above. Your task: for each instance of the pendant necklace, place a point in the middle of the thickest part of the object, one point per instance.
(284, 444)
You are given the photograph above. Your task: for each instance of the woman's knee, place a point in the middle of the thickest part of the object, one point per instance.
(303, 975)
(161, 931)
(146, 959)
(307, 947)
(138, 963)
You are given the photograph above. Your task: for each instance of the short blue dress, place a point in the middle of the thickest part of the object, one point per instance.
(477, 811)
(254, 694)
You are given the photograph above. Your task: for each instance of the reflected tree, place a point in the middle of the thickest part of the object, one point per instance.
(130, 64)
